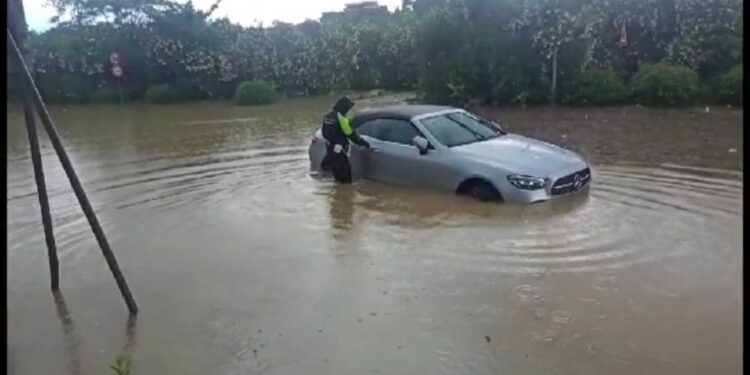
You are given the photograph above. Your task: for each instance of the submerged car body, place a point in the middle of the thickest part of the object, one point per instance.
(452, 150)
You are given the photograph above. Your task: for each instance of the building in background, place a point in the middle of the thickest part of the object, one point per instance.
(356, 12)
(364, 6)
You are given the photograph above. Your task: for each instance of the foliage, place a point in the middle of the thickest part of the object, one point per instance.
(254, 93)
(162, 94)
(665, 84)
(451, 51)
(167, 93)
(730, 86)
(64, 88)
(110, 93)
(595, 87)
(105, 94)
(121, 366)
(444, 65)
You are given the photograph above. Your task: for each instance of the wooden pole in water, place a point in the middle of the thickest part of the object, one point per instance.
(36, 159)
(19, 29)
(109, 256)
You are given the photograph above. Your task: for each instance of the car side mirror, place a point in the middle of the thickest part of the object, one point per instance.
(422, 144)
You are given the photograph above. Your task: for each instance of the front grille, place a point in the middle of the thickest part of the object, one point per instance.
(567, 184)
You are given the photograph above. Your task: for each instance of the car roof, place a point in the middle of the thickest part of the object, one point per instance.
(401, 112)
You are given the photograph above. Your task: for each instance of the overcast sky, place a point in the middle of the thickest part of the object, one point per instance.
(244, 12)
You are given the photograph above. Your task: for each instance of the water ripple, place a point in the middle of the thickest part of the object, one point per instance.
(627, 205)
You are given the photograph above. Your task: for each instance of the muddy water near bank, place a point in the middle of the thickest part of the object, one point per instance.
(243, 262)
(700, 137)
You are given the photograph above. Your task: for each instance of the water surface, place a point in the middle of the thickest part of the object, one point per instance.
(242, 262)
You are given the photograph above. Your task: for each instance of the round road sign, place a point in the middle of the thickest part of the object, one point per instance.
(117, 71)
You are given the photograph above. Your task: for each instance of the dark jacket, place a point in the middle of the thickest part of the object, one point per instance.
(337, 129)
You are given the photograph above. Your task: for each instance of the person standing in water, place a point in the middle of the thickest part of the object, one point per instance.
(338, 131)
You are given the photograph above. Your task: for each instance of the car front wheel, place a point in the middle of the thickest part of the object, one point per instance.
(482, 191)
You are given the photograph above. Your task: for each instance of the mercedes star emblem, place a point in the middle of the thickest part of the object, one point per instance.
(577, 181)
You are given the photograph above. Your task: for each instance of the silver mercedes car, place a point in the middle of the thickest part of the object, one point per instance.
(452, 150)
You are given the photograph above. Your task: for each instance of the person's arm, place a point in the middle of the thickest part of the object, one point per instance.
(350, 133)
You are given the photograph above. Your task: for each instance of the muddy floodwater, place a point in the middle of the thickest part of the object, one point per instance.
(243, 262)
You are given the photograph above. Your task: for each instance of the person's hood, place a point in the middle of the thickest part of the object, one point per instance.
(343, 105)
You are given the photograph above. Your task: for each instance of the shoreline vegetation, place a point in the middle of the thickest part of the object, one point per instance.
(387, 97)
(459, 52)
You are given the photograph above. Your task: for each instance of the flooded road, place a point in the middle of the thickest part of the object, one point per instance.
(242, 262)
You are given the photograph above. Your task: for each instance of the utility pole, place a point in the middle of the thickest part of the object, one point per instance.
(32, 101)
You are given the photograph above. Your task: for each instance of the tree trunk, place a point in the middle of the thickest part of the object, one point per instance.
(553, 88)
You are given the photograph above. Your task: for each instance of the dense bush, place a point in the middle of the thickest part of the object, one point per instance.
(464, 51)
(254, 93)
(665, 84)
(218, 90)
(105, 94)
(595, 87)
(110, 93)
(64, 89)
(161, 94)
(513, 84)
(171, 93)
(730, 86)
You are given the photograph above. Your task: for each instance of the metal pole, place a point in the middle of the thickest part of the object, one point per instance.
(36, 159)
(109, 256)
(119, 91)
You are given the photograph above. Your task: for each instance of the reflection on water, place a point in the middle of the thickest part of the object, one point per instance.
(72, 342)
(245, 262)
(342, 207)
(129, 340)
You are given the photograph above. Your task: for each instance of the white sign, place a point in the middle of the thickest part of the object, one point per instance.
(117, 71)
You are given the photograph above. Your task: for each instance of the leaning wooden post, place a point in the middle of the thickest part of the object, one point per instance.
(36, 159)
(19, 29)
(70, 172)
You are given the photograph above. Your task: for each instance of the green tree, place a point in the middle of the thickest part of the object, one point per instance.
(451, 51)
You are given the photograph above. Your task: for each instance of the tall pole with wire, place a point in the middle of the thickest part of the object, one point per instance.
(17, 22)
(31, 95)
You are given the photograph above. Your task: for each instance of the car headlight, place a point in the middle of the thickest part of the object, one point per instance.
(526, 182)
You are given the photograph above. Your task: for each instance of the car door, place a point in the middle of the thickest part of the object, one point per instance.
(397, 160)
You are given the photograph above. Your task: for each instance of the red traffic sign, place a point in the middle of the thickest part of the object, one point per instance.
(114, 58)
(117, 71)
